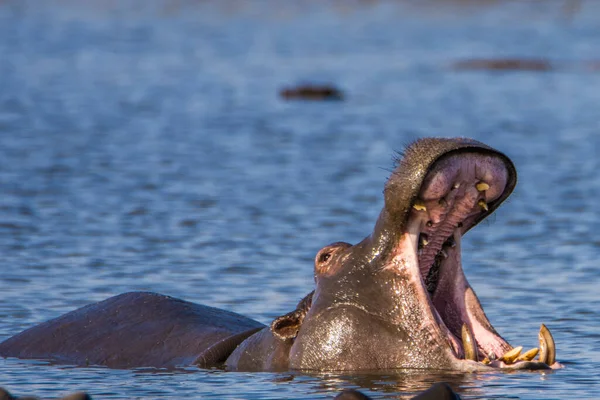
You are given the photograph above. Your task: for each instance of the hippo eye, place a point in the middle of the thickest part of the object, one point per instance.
(324, 257)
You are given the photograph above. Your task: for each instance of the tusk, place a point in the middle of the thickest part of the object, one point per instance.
(469, 345)
(547, 347)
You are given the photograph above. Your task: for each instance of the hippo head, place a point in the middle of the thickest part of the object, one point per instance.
(399, 298)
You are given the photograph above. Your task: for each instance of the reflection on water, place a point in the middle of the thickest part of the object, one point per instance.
(143, 146)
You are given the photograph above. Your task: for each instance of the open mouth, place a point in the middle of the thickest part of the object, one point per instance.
(458, 192)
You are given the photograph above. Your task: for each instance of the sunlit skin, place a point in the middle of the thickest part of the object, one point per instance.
(397, 299)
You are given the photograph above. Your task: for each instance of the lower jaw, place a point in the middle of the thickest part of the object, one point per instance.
(456, 303)
(461, 316)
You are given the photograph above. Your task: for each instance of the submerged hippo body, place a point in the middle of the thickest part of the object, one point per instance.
(398, 299)
(136, 329)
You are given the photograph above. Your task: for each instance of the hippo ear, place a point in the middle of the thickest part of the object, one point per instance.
(288, 325)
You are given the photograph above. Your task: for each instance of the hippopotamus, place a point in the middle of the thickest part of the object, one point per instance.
(397, 299)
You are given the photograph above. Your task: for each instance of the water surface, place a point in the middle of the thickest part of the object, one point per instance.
(143, 147)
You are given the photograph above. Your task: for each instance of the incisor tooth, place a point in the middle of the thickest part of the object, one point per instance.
(482, 186)
(469, 345)
(419, 206)
(481, 203)
(510, 356)
(528, 355)
(547, 347)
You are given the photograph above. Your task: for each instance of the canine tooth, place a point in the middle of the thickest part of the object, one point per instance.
(419, 206)
(481, 203)
(482, 186)
(456, 186)
(528, 355)
(424, 241)
(469, 345)
(510, 356)
(547, 347)
(443, 252)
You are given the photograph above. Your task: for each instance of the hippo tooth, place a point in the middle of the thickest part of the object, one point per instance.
(547, 348)
(443, 252)
(469, 344)
(490, 357)
(482, 186)
(419, 206)
(424, 241)
(528, 355)
(481, 203)
(510, 356)
(456, 186)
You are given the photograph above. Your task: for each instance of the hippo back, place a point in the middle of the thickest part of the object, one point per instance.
(137, 329)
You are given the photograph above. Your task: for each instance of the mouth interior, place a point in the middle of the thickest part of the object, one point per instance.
(455, 195)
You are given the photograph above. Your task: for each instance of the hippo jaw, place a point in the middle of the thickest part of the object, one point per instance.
(406, 278)
(453, 197)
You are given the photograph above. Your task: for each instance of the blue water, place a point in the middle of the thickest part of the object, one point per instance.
(143, 146)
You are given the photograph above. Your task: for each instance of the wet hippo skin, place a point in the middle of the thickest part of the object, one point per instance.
(398, 299)
(132, 330)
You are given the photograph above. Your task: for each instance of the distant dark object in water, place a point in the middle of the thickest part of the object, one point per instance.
(312, 93)
(5, 395)
(504, 64)
(438, 391)
(594, 66)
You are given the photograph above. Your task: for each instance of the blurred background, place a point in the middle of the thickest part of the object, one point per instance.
(208, 149)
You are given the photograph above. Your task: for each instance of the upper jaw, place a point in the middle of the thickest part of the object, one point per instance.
(459, 191)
